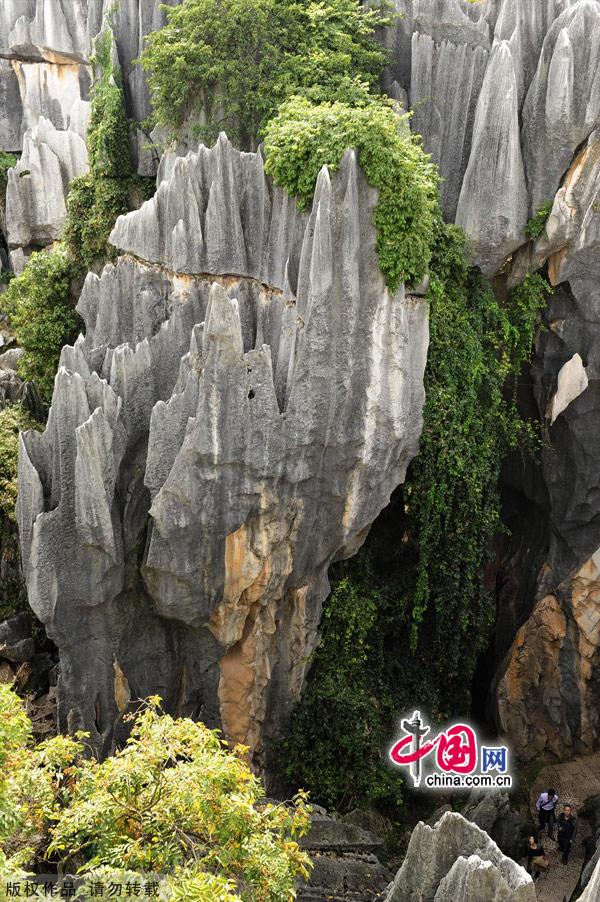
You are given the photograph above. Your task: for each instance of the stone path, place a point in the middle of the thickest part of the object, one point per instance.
(574, 781)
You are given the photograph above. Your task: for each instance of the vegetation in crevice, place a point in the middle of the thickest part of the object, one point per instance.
(537, 224)
(13, 419)
(97, 198)
(7, 161)
(414, 602)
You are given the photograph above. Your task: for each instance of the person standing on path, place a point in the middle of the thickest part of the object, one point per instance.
(567, 831)
(546, 808)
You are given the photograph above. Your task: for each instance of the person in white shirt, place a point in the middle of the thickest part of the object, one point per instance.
(546, 808)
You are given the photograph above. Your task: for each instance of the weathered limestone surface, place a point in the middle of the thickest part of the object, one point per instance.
(246, 397)
(554, 657)
(592, 888)
(36, 196)
(547, 695)
(456, 861)
(45, 74)
(473, 73)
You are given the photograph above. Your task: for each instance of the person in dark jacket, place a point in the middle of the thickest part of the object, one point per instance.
(536, 857)
(567, 831)
(546, 808)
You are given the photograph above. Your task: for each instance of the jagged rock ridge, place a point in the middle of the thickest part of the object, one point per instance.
(456, 860)
(245, 399)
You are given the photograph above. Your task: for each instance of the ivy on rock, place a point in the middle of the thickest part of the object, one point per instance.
(304, 137)
(97, 198)
(408, 617)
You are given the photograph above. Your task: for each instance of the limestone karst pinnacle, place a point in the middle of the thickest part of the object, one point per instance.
(245, 399)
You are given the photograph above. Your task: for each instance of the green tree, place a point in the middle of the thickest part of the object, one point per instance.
(174, 802)
(229, 64)
(41, 315)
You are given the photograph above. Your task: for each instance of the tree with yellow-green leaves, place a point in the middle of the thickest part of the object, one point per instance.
(175, 802)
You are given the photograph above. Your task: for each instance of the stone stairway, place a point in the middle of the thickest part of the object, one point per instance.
(345, 864)
(574, 781)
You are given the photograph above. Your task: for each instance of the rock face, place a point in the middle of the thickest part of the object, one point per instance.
(493, 813)
(215, 442)
(472, 71)
(592, 890)
(456, 860)
(554, 658)
(45, 78)
(345, 866)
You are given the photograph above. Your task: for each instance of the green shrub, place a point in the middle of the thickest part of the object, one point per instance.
(41, 316)
(13, 420)
(537, 224)
(229, 64)
(93, 206)
(97, 198)
(7, 161)
(174, 801)
(303, 137)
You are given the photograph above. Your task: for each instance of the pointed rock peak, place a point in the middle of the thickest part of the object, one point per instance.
(322, 188)
(502, 56)
(72, 358)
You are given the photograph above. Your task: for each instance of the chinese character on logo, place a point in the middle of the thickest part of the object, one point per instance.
(456, 754)
(456, 748)
(493, 759)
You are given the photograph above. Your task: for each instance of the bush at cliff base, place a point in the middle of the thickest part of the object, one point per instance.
(174, 802)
